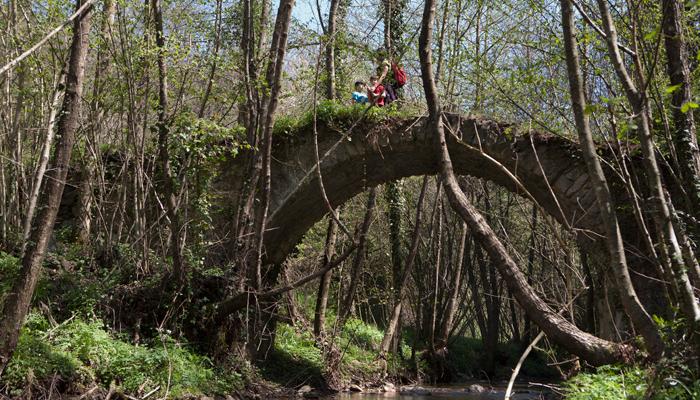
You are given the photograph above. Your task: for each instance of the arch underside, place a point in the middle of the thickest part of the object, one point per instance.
(376, 154)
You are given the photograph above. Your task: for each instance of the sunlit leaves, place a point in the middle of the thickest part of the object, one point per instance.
(689, 106)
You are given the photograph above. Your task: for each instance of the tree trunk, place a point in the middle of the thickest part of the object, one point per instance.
(684, 135)
(450, 312)
(91, 160)
(588, 347)
(400, 290)
(217, 45)
(17, 302)
(491, 334)
(356, 271)
(659, 203)
(43, 162)
(393, 200)
(179, 272)
(436, 272)
(634, 308)
(330, 49)
(324, 285)
(273, 78)
(530, 266)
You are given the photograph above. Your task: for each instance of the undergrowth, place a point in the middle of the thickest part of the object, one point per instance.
(296, 360)
(85, 354)
(606, 383)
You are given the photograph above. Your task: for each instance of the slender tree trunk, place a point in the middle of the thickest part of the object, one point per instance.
(212, 71)
(356, 271)
(684, 134)
(530, 266)
(294, 315)
(451, 311)
(324, 285)
(405, 274)
(634, 308)
(16, 304)
(660, 211)
(436, 281)
(590, 292)
(595, 350)
(273, 78)
(394, 199)
(330, 49)
(490, 335)
(91, 161)
(266, 114)
(479, 309)
(179, 271)
(43, 162)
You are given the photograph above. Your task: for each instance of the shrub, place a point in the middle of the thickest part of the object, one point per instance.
(606, 383)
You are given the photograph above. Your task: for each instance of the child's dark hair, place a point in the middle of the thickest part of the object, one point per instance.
(358, 83)
(374, 78)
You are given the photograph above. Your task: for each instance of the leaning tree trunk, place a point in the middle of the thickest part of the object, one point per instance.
(590, 348)
(16, 305)
(43, 163)
(633, 307)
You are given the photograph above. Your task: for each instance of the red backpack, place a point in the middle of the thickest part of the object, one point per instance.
(399, 75)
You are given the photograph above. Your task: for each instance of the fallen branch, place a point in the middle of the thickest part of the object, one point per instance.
(147, 395)
(520, 364)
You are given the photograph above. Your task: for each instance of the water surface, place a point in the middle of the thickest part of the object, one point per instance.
(522, 392)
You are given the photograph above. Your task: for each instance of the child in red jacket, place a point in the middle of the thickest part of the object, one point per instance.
(375, 92)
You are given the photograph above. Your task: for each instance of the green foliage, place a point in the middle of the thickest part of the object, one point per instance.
(466, 354)
(689, 106)
(85, 352)
(300, 345)
(675, 376)
(296, 356)
(35, 358)
(365, 336)
(198, 150)
(607, 382)
(9, 266)
(339, 115)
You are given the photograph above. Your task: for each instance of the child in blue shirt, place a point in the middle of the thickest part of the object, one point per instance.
(359, 96)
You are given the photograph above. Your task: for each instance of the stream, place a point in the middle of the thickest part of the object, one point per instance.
(457, 392)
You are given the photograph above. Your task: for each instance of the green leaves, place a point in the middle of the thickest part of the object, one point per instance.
(688, 106)
(86, 352)
(609, 382)
(673, 88)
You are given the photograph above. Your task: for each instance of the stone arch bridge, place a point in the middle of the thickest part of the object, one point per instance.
(375, 153)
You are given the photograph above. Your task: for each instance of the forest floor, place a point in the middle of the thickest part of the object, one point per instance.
(77, 342)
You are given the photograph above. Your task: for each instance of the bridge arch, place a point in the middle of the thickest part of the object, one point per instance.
(375, 153)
